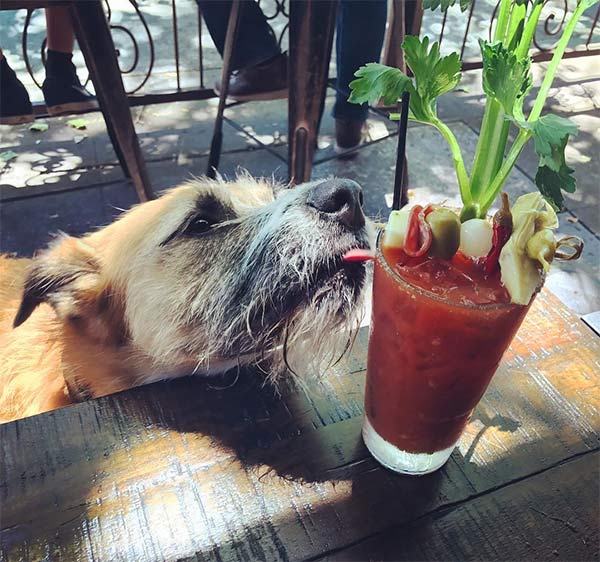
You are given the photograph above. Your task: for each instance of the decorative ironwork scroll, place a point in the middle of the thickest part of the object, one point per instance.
(136, 52)
(125, 40)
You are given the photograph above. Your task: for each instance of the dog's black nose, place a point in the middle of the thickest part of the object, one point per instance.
(340, 198)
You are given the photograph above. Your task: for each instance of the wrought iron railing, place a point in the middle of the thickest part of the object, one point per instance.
(458, 28)
(139, 56)
(154, 73)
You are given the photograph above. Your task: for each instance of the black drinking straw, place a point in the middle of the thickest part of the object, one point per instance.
(399, 187)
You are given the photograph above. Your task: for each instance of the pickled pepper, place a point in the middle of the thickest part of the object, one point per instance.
(418, 235)
(502, 229)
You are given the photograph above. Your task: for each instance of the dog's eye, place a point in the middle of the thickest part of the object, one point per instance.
(192, 227)
(197, 226)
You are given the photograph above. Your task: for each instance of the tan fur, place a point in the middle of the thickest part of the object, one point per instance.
(32, 381)
(50, 348)
(146, 298)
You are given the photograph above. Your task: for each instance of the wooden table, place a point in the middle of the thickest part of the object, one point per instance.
(180, 471)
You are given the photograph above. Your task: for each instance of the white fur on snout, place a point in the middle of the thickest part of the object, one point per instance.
(198, 303)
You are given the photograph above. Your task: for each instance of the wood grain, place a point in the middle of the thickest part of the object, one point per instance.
(178, 470)
(502, 525)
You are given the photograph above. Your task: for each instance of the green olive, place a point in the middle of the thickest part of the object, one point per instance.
(445, 228)
(541, 247)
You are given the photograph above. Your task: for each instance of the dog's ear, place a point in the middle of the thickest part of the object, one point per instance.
(67, 276)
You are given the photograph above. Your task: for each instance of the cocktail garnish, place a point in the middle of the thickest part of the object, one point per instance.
(542, 247)
(520, 273)
(507, 81)
(418, 236)
(575, 245)
(476, 237)
(395, 230)
(445, 230)
(503, 225)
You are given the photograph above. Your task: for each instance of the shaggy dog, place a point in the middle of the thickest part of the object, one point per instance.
(209, 276)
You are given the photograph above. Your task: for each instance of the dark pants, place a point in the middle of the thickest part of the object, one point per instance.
(359, 37)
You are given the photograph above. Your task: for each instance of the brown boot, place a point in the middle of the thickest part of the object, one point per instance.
(264, 81)
(349, 134)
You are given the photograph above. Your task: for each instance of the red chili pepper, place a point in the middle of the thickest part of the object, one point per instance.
(430, 208)
(418, 235)
(502, 225)
(468, 264)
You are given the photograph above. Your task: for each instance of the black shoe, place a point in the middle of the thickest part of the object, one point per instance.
(349, 134)
(264, 81)
(15, 107)
(62, 89)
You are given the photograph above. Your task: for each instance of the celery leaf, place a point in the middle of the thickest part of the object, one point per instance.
(550, 135)
(375, 81)
(434, 75)
(552, 182)
(506, 77)
(445, 4)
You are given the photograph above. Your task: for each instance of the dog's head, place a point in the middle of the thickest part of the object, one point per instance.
(213, 271)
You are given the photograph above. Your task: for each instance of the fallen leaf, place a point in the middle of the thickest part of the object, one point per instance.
(79, 138)
(77, 123)
(39, 127)
(7, 156)
(572, 219)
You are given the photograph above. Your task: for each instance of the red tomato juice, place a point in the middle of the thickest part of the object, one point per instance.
(438, 331)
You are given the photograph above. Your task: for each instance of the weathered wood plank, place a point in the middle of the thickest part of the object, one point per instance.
(178, 470)
(548, 516)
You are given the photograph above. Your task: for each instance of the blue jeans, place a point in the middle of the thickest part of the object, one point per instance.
(255, 41)
(360, 28)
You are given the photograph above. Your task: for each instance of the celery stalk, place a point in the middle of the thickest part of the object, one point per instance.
(489, 195)
(506, 81)
(493, 136)
(503, 20)
(459, 164)
(491, 145)
(529, 31)
(559, 51)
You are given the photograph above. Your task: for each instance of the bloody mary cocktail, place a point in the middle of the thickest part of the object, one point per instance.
(438, 331)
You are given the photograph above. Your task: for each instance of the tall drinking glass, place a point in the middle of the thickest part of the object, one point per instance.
(430, 359)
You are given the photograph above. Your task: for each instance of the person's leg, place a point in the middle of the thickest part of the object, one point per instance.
(259, 67)
(255, 41)
(15, 106)
(360, 32)
(62, 89)
(59, 30)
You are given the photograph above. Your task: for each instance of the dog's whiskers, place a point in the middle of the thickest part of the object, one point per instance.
(212, 275)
